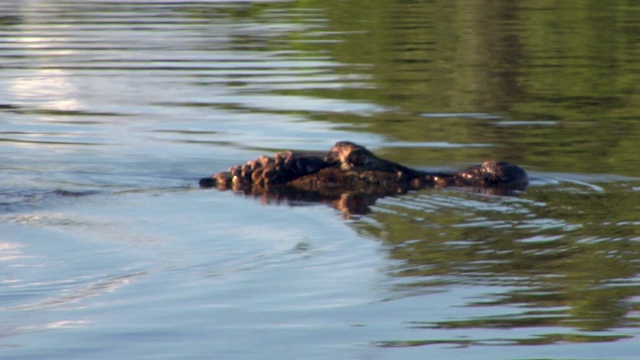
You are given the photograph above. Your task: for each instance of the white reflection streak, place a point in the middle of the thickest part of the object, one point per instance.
(43, 86)
(11, 251)
(88, 291)
(49, 89)
(62, 324)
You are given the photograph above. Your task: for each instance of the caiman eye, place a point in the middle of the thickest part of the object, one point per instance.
(357, 158)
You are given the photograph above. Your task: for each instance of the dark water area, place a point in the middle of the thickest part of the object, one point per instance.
(111, 111)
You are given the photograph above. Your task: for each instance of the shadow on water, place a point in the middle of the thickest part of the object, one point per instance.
(349, 203)
(12, 201)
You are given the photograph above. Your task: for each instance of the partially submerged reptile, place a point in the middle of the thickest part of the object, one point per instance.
(351, 168)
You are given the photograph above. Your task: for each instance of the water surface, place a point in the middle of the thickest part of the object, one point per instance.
(112, 110)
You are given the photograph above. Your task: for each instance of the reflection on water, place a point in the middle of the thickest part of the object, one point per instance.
(562, 267)
(112, 110)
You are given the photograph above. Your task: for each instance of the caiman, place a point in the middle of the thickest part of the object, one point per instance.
(349, 168)
(350, 178)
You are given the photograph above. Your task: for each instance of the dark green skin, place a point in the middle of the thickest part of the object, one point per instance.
(349, 167)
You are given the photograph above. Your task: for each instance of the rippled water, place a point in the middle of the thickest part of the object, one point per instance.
(110, 112)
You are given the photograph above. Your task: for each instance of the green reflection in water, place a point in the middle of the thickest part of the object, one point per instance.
(573, 62)
(568, 258)
(538, 340)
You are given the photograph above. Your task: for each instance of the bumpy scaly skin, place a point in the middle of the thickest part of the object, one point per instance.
(351, 167)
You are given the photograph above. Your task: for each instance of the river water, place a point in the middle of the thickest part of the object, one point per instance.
(110, 111)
